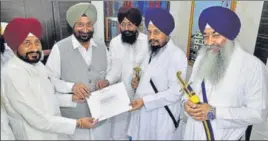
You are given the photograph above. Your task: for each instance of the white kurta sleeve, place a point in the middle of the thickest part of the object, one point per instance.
(54, 65)
(6, 131)
(24, 101)
(114, 72)
(256, 103)
(65, 100)
(172, 94)
(108, 55)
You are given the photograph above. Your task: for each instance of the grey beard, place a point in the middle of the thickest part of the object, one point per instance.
(213, 66)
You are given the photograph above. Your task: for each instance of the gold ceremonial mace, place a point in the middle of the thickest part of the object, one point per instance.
(137, 74)
(195, 99)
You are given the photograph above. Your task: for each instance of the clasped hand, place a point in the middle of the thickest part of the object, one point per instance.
(134, 82)
(80, 92)
(197, 111)
(86, 122)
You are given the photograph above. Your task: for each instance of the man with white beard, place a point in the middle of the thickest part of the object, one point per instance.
(231, 83)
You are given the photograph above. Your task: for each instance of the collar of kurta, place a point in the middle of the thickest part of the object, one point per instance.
(32, 70)
(140, 37)
(76, 43)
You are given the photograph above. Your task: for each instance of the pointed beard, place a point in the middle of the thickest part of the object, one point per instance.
(213, 65)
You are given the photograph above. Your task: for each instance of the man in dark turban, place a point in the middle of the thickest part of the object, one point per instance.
(31, 29)
(127, 50)
(231, 83)
(156, 106)
(27, 93)
(129, 20)
(78, 62)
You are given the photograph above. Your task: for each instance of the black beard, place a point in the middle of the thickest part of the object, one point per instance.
(155, 49)
(27, 59)
(129, 37)
(83, 37)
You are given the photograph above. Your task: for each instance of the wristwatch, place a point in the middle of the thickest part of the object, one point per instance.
(211, 115)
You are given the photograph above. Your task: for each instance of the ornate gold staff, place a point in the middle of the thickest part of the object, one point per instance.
(188, 90)
(137, 71)
(195, 99)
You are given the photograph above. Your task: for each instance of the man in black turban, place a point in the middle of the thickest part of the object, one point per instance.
(129, 20)
(127, 50)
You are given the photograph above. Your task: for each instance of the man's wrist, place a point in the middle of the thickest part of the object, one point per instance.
(108, 82)
(77, 123)
(211, 115)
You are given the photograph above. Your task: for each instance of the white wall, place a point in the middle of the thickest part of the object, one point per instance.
(99, 25)
(181, 11)
(250, 16)
(248, 11)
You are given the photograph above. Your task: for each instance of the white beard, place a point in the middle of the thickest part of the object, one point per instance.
(212, 65)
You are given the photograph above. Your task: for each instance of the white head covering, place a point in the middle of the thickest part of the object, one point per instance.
(208, 26)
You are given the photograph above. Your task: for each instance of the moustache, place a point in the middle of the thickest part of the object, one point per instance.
(81, 33)
(84, 36)
(128, 33)
(214, 46)
(153, 40)
(32, 52)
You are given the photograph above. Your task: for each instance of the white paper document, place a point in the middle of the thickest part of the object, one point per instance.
(109, 102)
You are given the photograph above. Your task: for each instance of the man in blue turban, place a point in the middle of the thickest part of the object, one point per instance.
(156, 105)
(231, 83)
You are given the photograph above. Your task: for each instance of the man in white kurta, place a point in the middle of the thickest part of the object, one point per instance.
(27, 92)
(149, 118)
(6, 54)
(127, 51)
(235, 82)
(260, 131)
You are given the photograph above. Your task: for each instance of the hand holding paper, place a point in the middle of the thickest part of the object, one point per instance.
(136, 104)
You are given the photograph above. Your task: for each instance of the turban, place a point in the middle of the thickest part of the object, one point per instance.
(161, 18)
(222, 20)
(78, 10)
(19, 28)
(132, 14)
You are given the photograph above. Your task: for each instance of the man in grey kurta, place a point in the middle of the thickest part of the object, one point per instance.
(77, 62)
